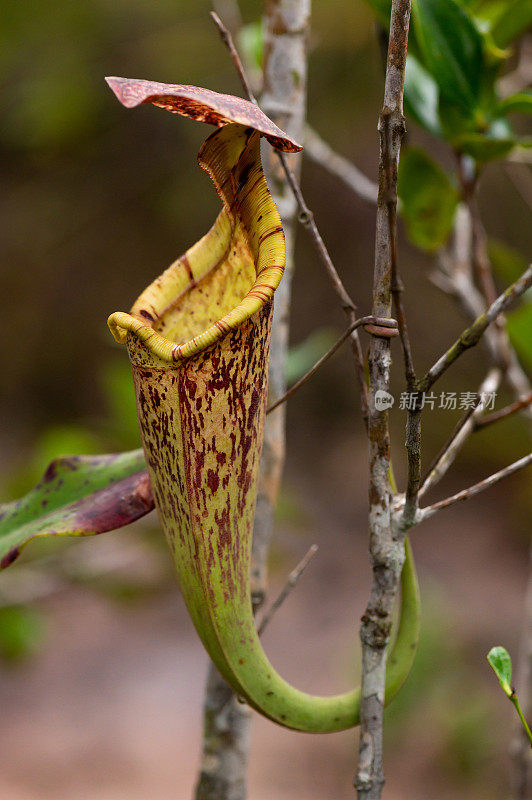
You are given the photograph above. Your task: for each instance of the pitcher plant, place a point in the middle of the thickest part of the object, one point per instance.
(198, 339)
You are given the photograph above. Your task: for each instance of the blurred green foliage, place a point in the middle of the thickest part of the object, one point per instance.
(452, 50)
(519, 325)
(428, 199)
(303, 356)
(451, 89)
(21, 633)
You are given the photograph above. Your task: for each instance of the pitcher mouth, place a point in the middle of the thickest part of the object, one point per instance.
(229, 274)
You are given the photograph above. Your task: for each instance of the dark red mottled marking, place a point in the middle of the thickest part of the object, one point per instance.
(9, 557)
(186, 263)
(271, 232)
(244, 175)
(213, 480)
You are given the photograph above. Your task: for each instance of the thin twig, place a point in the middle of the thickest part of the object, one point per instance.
(481, 264)
(455, 278)
(397, 293)
(321, 152)
(413, 452)
(385, 544)
(306, 218)
(290, 584)
(472, 335)
(452, 438)
(233, 52)
(459, 438)
(397, 286)
(413, 423)
(503, 413)
(465, 494)
(388, 328)
(229, 10)
(479, 251)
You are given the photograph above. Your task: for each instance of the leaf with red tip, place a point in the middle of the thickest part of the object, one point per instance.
(77, 496)
(203, 105)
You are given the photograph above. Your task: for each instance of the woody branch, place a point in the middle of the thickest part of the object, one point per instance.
(386, 550)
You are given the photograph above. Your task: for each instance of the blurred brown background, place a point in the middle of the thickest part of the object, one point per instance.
(101, 675)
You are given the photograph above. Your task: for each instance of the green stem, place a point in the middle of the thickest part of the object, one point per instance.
(515, 701)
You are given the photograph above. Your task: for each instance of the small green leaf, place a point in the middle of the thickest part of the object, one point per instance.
(421, 96)
(482, 148)
(452, 49)
(520, 103)
(501, 663)
(77, 496)
(428, 199)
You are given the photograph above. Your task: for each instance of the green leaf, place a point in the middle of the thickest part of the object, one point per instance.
(481, 139)
(489, 145)
(514, 18)
(77, 496)
(519, 326)
(501, 663)
(520, 103)
(483, 148)
(452, 49)
(428, 199)
(421, 96)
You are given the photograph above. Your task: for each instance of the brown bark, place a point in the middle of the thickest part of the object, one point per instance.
(386, 547)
